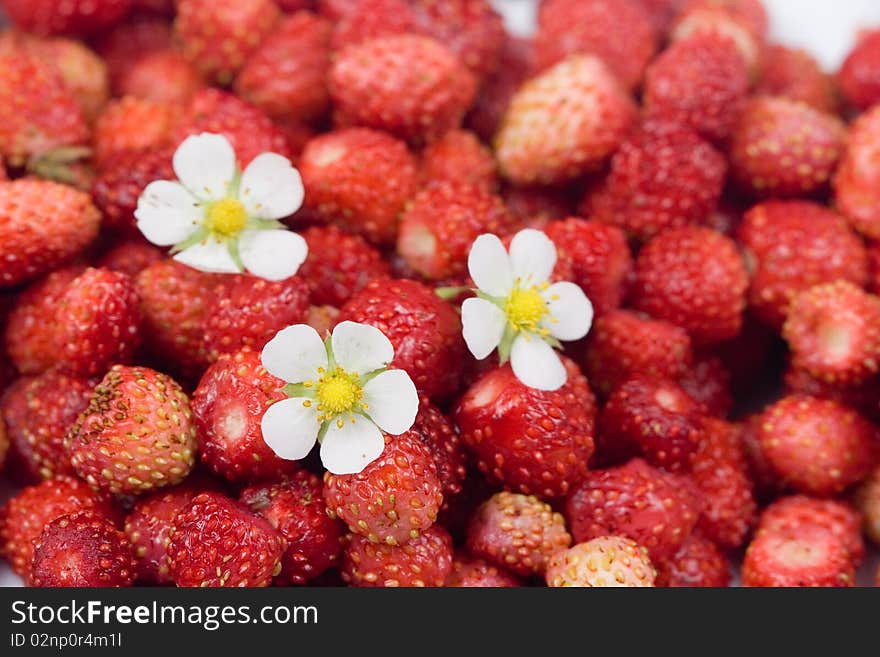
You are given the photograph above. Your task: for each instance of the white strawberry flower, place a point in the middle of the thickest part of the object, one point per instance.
(222, 220)
(340, 393)
(518, 311)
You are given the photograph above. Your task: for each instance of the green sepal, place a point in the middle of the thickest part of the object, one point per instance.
(200, 234)
(298, 390)
(451, 292)
(232, 247)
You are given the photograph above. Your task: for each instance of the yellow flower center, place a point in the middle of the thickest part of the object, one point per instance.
(525, 308)
(227, 217)
(338, 393)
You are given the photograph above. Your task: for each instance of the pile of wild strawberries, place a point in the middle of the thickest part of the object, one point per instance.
(716, 196)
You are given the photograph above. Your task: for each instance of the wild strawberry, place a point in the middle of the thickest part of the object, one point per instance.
(810, 557)
(536, 206)
(635, 500)
(816, 445)
(82, 549)
(31, 245)
(332, 9)
(132, 124)
(123, 45)
(661, 13)
(441, 223)
(228, 405)
(130, 257)
(37, 412)
(782, 147)
(867, 500)
(857, 178)
(122, 178)
(517, 532)
(858, 78)
(707, 381)
(514, 66)
(458, 156)
(657, 417)
(593, 255)
(25, 515)
(286, 75)
(440, 436)
(602, 562)
(217, 542)
(623, 344)
(163, 76)
(563, 123)
(695, 278)
(78, 17)
(322, 318)
(767, 484)
(425, 332)
(749, 13)
(720, 472)
(295, 507)
(469, 572)
(533, 441)
(136, 435)
(794, 74)
(218, 36)
(249, 311)
(394, 498)
(698, 562)
(408, 85)
(423, 561)
(726, 19)
(359, 179)
(619, 33)
(372, 19)
(795, 512)
(864, 397)
(789, 247)
(700, 82)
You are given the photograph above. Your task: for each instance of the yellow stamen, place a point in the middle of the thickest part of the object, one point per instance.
(227, 217)
(338, 393)
(525, 308)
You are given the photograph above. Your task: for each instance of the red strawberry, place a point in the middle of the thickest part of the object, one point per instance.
(864, 397)
(459, 156)
(532, 441)
(218, 35)
(425, 332)
(810, 557)
(726, 19)
(469, 572)
(136, 435)
(423, 561)
(536, 206)
(517, 532)
(295, 507)
(794, 74)
(441, 223)
(858, 176)
(440, 436)
(122, 46)
(782, 147)
(563, 123)
(661, 12)
(215, 541)
(132, 124)
(619, 33)
(695, 278)
(698, 562)
(817, 445)
(623, 343)
(867, 500)
(249, 311)
(858, 78)
(372, 19)
(408, 85)
(286, 75)
(37, 412)
(25, 515)
(514, 67)
(82, 549)
(77, 17)
(602, 562)
(322, 318)
(751, 14)
(634, 500)
(701, 82)
(663, 176)
(228, 405)
(707, 381)
(790, 246)
(393, 499)
(163, 76)
(359, 179)
(332, 9)
(130, 257)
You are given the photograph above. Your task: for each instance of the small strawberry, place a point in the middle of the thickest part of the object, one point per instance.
(459, 156)
(707, 381)
(864, 397)
(810, 557)
(130, 257)
(423, 561)
(517, 532)
(137, 434)
(563, 123)
(514, 66)
(816, 445)
(217, 542)
(661, 12)
(858, 175)
(76, 17)
(698, 562)
(602, 562)
(122, 46)
(867, 500)
(536, 206)
(440, 436)
(372, 19)
(725, 19)
(323, 318)
(393, 499)
(163, 76)
(332, 9)
(359, 179)
(132, 124)
(295, 507)
(858, 78)
(469, 572)
(533, 441)
(751, 14)
(794, 74)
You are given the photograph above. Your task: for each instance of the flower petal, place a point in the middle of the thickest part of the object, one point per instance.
(392, 401)
(290, 428)
(571, 309)
(351, 448)
(167, 213)
(209, 255)
(361, 348)
(532, 256)
(536, 364)
(205, 165)
(272, 254)
(295, 354)
(270, 187)
(482, 325)
(489, 266)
